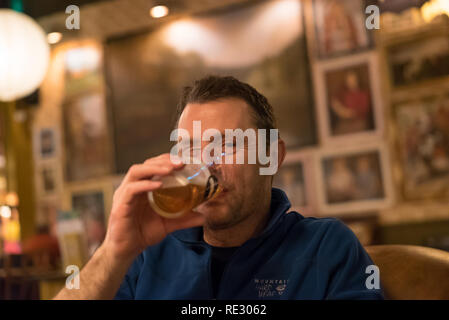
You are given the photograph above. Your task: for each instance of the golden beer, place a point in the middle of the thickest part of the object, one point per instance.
(183, 190)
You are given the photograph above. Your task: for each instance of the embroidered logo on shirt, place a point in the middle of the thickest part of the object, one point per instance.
(270, 287)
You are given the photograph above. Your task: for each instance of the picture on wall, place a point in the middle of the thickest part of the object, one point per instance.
(348, 98)
(91, 208)
(340, 27)
(261, 43)
(354, 179)
(84, 114)
(424, 59)
(85, 137)
(48, 179)
(47, 142)
(423, 137)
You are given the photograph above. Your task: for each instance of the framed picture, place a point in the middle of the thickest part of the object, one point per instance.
(354, 179)
(46, 142)
(92, 199)
(86, 137)
(339, 27)
(421, 59)
(143, 98)
(423, 140)
(296, 178)
(49, 178)
(348, 99)
(86, 132)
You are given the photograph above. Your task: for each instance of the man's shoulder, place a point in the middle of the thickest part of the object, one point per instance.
(318, 224)
(321, 232)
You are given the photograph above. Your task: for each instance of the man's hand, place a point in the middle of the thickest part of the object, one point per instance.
(133, 226)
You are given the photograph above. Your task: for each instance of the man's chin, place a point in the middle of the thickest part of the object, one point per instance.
(216, 216)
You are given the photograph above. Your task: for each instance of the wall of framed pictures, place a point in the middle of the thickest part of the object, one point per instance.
(365, 114)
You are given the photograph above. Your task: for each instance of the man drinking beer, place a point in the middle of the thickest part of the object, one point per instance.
(241, 244)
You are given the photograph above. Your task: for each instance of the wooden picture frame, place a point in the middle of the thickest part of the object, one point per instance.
(46, 141)
(328, 41)
(49, 178)
(85, 197)
(346, 186)
(333, 79)
(422, 140)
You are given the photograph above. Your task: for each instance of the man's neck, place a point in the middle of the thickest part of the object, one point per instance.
(238, 234)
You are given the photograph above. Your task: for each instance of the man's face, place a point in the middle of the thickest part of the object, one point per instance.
(244, 187)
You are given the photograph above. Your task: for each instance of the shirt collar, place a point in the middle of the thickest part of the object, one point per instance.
(278, 207)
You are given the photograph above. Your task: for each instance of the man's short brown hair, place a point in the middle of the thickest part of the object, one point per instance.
(212, 88)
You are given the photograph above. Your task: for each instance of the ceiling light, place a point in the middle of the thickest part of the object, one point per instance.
(159, 11)
(54, 37)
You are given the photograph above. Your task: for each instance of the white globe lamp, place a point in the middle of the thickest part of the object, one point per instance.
(24, 55)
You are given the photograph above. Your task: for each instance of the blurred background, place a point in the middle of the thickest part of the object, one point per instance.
(88, 88)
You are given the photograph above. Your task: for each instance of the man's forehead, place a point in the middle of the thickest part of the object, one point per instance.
(229, 113)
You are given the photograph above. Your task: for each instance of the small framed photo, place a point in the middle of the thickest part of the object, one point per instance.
(49, 178)
(296, 178)
(354, 179)
(46, 142)
(92, 200)
(339, 27)
(423, 59)
(423, 141)
(348, 99)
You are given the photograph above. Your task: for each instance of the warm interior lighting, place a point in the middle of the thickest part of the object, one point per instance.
(434, 8)
(54, 37)
(159, 11)
(12, 199)
(79, 60)
(5, 212)
(221, 45)
(24, 55)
